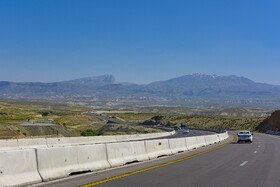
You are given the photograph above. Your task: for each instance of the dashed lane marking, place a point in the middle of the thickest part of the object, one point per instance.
(243, 163)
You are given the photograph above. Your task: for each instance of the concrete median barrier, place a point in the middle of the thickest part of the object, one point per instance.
(8, 144)
(125, 152)
(92, 157)
(18, 168)
(125, 138)
(70, 141)
(54, 142)
(219, 137)
(102, 139)
(201, 141)
(67, 141)
(191, 143)
(32, 143)
(59, 162)
(177, 145)
(157, 148)
(211, 139)
(223, 136)
(27, 166)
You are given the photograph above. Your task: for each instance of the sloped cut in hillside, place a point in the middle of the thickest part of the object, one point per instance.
(270, 123)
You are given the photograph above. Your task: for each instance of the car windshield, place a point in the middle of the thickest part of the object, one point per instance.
(244, 132)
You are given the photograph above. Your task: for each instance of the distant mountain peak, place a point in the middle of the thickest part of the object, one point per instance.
(214, 76)
(95, 80)
(205, 80)
(194, 88)
(201, 75)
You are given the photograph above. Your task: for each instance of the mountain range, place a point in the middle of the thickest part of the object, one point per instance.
(189, 88)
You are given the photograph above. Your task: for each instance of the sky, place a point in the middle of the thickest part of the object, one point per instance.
(139, 41)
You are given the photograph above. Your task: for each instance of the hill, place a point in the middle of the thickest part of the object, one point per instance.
(95, 80)
(213, 86)
(270, 123)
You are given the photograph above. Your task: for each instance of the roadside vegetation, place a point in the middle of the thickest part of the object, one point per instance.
(67, 121)
(90, 132)
(71, 121)
(193, 121)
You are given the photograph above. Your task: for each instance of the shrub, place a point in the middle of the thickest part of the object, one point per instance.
(45, 113)
(90, 132)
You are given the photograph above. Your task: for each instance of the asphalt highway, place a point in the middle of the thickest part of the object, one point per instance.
(179, 133)
(232, 164)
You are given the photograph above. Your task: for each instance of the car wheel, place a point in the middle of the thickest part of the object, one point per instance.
(251, 141)
(237, 141)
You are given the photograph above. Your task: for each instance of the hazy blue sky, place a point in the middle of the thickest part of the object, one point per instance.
(139, 40)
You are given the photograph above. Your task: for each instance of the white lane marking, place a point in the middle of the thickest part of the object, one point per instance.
(243, 163)
(255, 152)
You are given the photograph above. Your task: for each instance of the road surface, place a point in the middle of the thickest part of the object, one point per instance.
(179, 134)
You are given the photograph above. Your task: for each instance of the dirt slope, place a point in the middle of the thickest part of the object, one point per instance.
(270, 123)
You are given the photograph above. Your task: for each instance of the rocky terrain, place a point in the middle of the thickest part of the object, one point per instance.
(271, 123)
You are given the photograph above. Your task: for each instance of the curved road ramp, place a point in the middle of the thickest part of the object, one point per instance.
(19, 167)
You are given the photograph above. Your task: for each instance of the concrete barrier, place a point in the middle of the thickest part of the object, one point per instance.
(211, 139)
(157, 148)
(18, 168)
(102, 139)
(126, 152)
(69, 141)
(223, 136)
(28, 166)
(92, 157)
(32, 143)
(8, 144)
(219, 137)
(177, 145)
(58, 142)
(201, 141)
(125, 138)
(59, 162)
(191, 143)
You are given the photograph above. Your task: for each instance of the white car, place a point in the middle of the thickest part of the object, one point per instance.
(245, 136)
